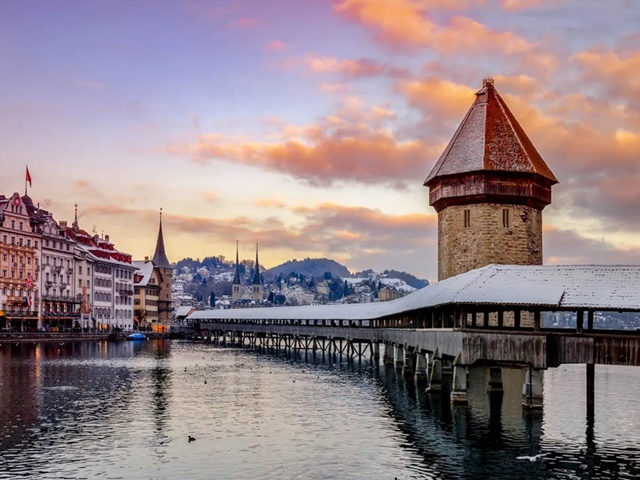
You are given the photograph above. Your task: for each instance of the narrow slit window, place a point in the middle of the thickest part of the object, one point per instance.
(467, 218)
(505, 218)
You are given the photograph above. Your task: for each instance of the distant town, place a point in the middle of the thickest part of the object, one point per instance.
(57, 277)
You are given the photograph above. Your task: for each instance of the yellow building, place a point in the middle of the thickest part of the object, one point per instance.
(147, 285)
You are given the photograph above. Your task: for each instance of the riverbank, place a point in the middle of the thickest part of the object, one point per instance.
(71, 336)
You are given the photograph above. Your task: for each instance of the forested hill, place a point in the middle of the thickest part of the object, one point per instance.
(310, 268)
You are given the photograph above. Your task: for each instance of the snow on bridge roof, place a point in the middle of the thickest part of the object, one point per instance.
(596, 287)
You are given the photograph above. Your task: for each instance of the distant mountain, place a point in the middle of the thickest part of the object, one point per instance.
(310, 268)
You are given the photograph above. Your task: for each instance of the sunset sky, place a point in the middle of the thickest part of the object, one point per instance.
(309, 126)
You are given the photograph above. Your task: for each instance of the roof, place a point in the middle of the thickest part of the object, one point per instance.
(551, 287)
(160, 256)
(490, 139)
(145, 269)
(184, 310)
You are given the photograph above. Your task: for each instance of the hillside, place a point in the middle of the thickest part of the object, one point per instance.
(310, 268)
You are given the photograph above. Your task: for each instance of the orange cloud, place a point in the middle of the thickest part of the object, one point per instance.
(276, 46)
(356, 144)
(617, 73)
(245, 22)
(363, 67)
(512, 5)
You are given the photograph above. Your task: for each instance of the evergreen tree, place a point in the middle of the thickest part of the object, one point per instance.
(212, 299)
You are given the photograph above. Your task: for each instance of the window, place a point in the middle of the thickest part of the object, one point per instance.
(20, 226)
(505, 218)
(467, 218)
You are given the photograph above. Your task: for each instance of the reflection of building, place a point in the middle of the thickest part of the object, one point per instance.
(19, 264)
(153, 300)
(489, 188)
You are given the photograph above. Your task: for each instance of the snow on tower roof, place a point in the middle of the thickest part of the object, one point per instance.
(490, 138)
(595, 287)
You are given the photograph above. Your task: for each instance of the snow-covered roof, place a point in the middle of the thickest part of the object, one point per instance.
(145, 269)
(595, 287)
(183, 310)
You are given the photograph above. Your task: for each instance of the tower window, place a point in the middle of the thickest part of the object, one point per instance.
(505, 218)
(467, 218)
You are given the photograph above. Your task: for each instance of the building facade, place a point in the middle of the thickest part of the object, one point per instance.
(489, 188)
(19, 265)
(147, 285)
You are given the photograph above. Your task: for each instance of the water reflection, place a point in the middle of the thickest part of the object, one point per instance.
(98, 409)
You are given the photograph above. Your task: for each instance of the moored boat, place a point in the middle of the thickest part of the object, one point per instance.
(136, 336)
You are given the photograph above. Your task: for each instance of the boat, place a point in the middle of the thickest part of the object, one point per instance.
(136, 336)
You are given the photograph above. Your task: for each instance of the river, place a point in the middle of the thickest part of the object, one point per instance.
(85, 410)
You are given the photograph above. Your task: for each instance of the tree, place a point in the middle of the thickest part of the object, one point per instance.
(212, 299)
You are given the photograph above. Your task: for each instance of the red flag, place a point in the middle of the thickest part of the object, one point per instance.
(28, 177)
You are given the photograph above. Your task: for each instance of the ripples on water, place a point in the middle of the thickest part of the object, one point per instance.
(125, 410)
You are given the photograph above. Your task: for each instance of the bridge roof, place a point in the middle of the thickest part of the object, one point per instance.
(595, 287)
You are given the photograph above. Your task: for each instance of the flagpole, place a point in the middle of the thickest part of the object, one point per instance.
(25, 181)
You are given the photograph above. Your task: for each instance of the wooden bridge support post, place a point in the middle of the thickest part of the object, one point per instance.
(495, 380)
(459, 385)
(399, 356)
(591, 388)
(376, 353)
(388, 359)
(408, 367)
(532, 389)
(421, 367)
(435, 374)
(589, 320)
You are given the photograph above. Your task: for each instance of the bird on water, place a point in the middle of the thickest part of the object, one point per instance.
(191, 439)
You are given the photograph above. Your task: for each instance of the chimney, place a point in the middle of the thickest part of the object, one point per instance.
(63, 224)
(146, 259)
(106, 237)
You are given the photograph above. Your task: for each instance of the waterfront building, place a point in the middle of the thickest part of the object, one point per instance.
(111, 284)
(147, 285)
(165, 270)
(489, 188)
(19, 265)
(59, 306)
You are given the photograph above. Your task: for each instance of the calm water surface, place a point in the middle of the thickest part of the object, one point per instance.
(126, 410)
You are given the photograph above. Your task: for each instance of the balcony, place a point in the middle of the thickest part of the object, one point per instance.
(125, 292)
(69, 271)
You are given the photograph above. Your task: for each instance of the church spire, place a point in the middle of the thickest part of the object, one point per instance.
(75, 218)
(236, 278)
(256, 274)
(160, 257)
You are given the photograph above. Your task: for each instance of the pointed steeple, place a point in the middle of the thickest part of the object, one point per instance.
(256, 274)
(160, 257)
(75, 218)
(490, 139)
(236, 278)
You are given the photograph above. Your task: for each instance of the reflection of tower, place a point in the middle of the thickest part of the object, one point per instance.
(489, 188)
(256, 284)
(161, 262)
(236, 288)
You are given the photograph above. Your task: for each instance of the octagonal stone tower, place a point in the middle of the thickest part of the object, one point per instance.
(489, 188)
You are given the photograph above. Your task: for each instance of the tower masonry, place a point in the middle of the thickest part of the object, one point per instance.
(489, 188)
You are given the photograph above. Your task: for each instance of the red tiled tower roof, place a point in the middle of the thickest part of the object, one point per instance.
(490, 139)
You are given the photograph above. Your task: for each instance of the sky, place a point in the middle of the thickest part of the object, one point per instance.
(309, 126)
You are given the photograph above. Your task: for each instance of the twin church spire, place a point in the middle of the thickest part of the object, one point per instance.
(256, 283)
